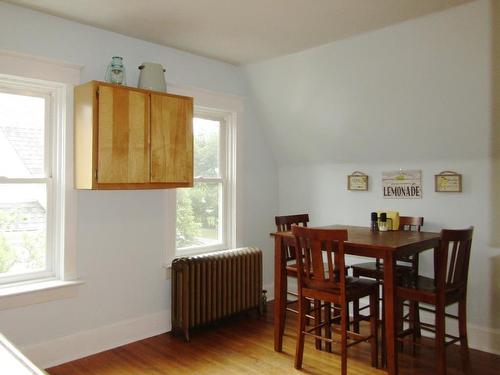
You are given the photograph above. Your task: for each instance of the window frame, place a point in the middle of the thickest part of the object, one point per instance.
(53, 94)
(226, 179)
(64, 76)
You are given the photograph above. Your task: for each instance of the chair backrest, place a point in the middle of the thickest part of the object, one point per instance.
(313, 246)
(451, 262)
(284, 224)
(410, 223)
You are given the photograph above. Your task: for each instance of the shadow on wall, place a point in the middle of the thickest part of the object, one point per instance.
(495, 124)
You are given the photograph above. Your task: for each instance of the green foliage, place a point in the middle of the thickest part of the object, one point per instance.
(33, 243)
(187, 227)
(7, 255)
(206, 157)
(26, 248)
(198, 207)
(205, 203)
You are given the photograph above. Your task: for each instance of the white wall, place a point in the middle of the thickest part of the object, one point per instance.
(121, 241)
(415, 96)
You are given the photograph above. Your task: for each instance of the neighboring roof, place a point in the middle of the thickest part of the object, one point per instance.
(23, 216)
(28, 144)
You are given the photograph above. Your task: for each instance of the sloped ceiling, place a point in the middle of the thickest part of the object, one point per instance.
(413, 91)
(239, 31)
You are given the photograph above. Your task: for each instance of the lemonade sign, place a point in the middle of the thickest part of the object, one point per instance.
(402, 184)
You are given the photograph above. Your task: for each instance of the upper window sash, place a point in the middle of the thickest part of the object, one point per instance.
(9, 86)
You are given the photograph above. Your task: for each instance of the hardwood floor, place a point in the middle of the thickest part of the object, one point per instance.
(244, 345)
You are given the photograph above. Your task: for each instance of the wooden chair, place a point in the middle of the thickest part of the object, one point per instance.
(284, 224)
(449, 286)
(328, 282)
(375, 270)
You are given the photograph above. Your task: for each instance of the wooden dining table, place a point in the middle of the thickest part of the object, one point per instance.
(388, 246)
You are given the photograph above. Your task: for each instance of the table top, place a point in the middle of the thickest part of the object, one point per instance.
(387, 241)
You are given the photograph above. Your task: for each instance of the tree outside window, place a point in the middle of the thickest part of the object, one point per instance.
(199, 209)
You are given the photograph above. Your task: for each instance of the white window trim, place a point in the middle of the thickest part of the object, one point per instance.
(232, 108)
(226, 176)
(46, 71)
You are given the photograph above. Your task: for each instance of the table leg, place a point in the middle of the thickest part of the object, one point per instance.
(279, 294)
(390, 313)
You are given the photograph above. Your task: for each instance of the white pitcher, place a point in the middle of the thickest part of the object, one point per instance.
(152, 77)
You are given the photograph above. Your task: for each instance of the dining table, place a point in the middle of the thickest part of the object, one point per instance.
(388, 246)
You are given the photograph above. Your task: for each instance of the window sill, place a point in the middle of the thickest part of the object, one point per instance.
(37, 292)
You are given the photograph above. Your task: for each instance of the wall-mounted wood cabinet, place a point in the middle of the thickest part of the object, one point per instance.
(128, 138)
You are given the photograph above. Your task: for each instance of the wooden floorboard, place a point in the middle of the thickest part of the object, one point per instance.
(244, 345)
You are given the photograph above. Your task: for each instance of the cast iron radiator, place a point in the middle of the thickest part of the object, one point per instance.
(209, 287)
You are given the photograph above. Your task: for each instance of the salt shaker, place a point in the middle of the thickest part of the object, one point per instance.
(382, 222)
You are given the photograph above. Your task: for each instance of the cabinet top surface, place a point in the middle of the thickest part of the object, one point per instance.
(101, 83)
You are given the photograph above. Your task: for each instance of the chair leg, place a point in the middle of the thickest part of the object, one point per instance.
(383, 354)
(301, 327)
(317, 322)
(374, 329)
(440, 340)
(348, 316)
(328, 327)
(462, 329)
(343, 340)
(283, 308)
(399, 322)
(415, 318)
(355, 313)
(355, 309)
(415, 324)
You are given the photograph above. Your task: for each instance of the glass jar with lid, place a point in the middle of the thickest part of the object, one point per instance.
(115, 73)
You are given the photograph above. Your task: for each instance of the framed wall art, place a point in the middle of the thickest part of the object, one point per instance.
(448, 182)
(357, 181)
(402, 184)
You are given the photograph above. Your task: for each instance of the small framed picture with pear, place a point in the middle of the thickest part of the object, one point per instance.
(357, 181)
(448, 182)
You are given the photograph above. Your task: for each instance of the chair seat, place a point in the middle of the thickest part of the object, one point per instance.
(291, 269)
(423, 289)
(355, 288)
(376, 270)
(419, 283)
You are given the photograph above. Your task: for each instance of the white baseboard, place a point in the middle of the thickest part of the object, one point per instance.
(85, 343)
(484, 339)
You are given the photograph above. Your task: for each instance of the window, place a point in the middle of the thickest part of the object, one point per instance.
(31, 199)
(37, 201)
(204, 217)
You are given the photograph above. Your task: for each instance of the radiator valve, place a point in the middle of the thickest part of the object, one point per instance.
(263, 307)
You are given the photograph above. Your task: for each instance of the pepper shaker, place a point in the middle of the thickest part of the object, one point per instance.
(374, 219)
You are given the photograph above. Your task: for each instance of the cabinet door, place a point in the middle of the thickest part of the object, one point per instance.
(171, 139)
(123, 138)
